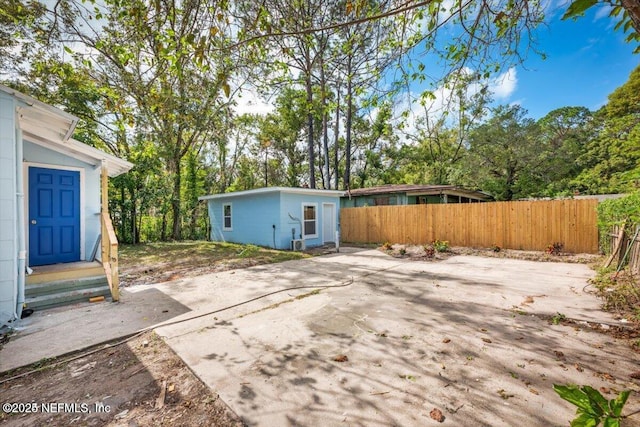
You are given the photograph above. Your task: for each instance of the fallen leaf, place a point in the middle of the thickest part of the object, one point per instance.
(437, 415)
(487, 340)
(446, 340)
(341, 358)
(605, 390)
(534, 391)
(483, 330)
(503, 394)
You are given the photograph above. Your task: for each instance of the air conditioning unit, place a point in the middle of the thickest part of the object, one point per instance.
(297, 245)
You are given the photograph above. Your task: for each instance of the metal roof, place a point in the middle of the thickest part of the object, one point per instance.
(418, 190)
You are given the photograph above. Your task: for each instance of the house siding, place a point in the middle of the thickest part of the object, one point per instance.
(8, 213)
(292, 203)
(91, 191)
(252, 219)
(254, 215)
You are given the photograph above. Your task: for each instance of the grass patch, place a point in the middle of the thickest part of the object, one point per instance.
(162, 261)
(194, 251)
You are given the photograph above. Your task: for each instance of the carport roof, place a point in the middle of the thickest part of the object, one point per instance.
(52, 128)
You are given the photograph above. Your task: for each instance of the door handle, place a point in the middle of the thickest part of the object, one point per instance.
(34, 222)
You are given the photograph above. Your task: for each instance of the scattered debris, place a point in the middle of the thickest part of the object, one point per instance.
(163, 393)
(503, 394)
(635, 375)
(436, 414)
(559, 355)
(579, 368)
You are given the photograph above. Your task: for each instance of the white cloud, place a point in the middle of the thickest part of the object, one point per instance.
(504, 85)
(602, 11)
(249, 102)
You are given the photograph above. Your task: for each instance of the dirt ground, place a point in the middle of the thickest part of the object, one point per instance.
(142, 382)
(138, 383)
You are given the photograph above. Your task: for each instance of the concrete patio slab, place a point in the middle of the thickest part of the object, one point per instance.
(58, 331)
(464, 335)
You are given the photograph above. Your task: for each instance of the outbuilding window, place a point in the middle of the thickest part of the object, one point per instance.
(310, 223)
(226, 217)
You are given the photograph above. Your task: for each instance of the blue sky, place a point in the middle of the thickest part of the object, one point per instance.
(586, 61)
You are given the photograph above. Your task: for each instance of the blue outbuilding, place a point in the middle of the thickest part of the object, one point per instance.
(276, 217)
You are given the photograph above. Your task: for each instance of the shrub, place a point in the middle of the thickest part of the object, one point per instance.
(617, 212)
(554, 248)
(429, 251)
(441, 245)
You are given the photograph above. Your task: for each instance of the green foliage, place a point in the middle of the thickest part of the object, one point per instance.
(558, 318)
(616, 212)
(619, 211)
(592, 407)
(611, 161)
(440, 245)
(505, 154)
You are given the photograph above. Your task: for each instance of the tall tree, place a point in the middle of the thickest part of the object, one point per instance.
(612, 158)
(503, 152)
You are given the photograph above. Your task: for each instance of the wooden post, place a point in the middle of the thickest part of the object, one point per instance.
(108, 239)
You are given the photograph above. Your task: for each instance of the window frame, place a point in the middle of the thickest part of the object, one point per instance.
(230, 216)
(315, 220)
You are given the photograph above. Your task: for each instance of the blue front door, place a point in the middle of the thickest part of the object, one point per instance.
(54, 216)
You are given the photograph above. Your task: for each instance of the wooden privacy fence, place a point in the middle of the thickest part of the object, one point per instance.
(526, 225)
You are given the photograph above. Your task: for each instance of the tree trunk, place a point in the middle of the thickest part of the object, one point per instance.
(310, 147)
(326, 179)
(632, 7)
(176, 229)
(336, 143)
(349, 119)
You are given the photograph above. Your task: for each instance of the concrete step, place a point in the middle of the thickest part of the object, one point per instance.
(67, 297)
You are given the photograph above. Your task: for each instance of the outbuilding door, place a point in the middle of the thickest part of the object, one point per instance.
(328, 222)
(54, 216)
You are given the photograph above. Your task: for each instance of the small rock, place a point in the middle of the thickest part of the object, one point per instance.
(145, 343)
(437, 415)
(341, 358)
(605, 327)
(487, 340)
(446, 340)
